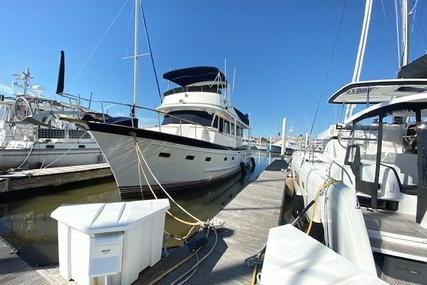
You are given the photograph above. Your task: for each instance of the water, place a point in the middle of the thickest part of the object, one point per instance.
(26, 224)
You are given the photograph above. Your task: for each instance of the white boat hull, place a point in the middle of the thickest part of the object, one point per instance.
(176, 165)
(50, 154)
(337, 210)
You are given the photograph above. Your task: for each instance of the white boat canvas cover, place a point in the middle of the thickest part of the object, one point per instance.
(377, 91)
(293, 257)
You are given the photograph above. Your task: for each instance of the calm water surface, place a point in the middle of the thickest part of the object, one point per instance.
(27, 225)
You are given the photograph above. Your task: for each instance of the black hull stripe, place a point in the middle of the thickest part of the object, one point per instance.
(142, 133)
(134, 191)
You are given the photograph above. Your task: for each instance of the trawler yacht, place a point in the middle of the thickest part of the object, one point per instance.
(199, 141)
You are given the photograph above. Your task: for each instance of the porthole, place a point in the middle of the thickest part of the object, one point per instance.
(189, 157)
(164, 154)
(208, 158)
(225, 158)
(232, 158)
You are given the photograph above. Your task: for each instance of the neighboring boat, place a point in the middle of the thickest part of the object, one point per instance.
(291, 146)
(368, 185)
(375, 195)
(199, 141)
(262, 146)
(31, 136)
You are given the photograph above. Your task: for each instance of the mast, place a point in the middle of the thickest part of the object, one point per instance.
(360, 52)
(405, 34)
(135, 57)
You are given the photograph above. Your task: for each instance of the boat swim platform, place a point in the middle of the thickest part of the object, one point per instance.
(46, 177)
(247, 220)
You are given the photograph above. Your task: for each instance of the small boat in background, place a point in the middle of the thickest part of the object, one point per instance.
(291, 146)
(32, 136)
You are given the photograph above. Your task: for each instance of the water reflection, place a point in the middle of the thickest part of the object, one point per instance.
(27, 225)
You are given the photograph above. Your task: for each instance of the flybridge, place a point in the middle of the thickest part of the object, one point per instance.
(196, 76)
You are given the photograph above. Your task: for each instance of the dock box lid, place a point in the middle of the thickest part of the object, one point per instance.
(108, 217)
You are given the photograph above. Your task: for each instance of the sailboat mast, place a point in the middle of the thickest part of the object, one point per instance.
(360, 52)
(135, 56)
(405, 34)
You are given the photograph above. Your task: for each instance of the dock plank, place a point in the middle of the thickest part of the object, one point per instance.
(247, 219)
(14, 270)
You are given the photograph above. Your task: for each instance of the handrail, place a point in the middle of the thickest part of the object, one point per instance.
(111, 103)
(342, 167)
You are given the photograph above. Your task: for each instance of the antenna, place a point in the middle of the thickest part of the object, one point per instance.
(234, 77)
(135, 57)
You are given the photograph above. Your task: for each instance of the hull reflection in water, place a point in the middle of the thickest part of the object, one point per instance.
(27, 225)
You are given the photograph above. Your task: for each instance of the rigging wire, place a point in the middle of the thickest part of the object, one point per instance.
(384, 12)
(98, 44)
(150, 50)
(329, 67)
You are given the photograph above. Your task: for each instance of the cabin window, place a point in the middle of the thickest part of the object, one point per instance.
(221, 125)
(82, 146)
(164, 154)
(186, 117)
(232, 128)
(215, 122)
(225, 158)
(50, 146)
(189, 157)
(238, 131)
(208, 158)
(226, 127)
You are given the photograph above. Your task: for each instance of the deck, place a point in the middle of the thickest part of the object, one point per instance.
(402, 244)
(396, 234)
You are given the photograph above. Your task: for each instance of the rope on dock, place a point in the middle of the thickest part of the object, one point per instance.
(208, 226)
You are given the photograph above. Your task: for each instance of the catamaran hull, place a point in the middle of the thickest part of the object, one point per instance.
(177, 162)
(337, 209)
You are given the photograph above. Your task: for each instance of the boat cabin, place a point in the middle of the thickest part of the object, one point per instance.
(385, 144)
(201, 97)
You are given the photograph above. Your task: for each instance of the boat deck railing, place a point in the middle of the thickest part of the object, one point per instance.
(151, 119)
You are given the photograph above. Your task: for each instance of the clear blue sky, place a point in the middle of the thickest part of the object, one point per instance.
(281, 49)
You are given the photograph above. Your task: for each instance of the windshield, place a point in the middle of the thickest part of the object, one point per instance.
(4, 113)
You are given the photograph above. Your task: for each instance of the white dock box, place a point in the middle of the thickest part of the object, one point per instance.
(109, 242)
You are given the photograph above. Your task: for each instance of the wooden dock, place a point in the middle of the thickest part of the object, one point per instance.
(47, 177)
(247, 220)
(14, 270)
